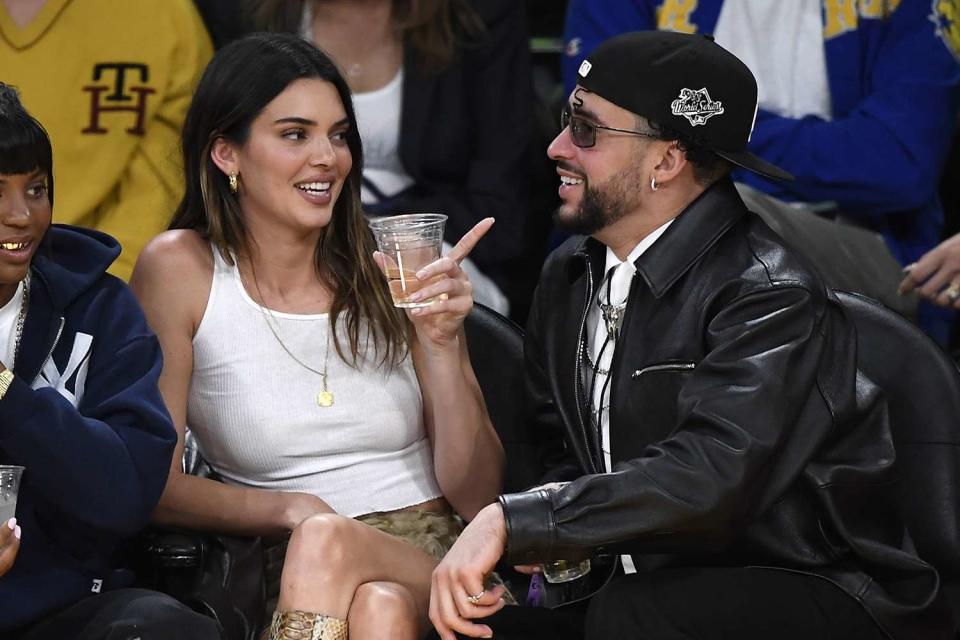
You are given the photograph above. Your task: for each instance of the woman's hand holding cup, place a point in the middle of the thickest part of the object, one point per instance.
(449, 290)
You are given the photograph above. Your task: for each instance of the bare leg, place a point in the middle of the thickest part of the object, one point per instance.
(385, 610)
(330, 557)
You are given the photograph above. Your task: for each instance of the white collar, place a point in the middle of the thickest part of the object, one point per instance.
(643, 245)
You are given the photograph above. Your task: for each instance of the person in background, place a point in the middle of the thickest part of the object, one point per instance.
(695, 387)
(936, 275)
(858, 100)
(422, 74)
(80, 410)
(112, 82)
(225, 20)
(327, 412)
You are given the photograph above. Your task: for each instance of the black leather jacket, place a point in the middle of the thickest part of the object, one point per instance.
(741, 432)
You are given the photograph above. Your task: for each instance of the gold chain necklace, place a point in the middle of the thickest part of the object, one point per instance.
(325, 396)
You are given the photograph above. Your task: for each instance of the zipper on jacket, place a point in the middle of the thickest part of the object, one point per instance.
(56, 340)
(579, 365)
(667, 366)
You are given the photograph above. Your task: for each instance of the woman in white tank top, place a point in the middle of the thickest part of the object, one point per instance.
(326, 411)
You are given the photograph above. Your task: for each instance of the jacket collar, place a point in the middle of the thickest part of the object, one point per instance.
(69, 261)
(694, 231)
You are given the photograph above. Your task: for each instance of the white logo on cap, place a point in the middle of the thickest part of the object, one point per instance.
(696, 106)
(585, 67)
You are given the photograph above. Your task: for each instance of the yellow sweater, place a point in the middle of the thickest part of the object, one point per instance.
(111, 81)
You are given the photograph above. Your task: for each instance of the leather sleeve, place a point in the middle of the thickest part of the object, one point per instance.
(736, 449)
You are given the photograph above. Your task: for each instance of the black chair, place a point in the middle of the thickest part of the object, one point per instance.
(222, 576)
(922, 387)
(495, 344)
(847, 257)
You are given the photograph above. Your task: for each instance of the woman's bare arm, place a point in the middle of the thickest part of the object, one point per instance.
(172, 282)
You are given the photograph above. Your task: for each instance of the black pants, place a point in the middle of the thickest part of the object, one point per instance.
(705, 604)
(125, 614)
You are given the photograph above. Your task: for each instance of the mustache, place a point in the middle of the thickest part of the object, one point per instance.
(566, 166)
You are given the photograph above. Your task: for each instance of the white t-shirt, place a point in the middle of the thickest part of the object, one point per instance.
(782, 44)
(378, 119)
(8, 327)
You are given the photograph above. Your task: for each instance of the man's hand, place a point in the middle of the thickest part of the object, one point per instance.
(9, 544)
(460, 575)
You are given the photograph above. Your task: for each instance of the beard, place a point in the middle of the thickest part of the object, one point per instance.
(603, 205)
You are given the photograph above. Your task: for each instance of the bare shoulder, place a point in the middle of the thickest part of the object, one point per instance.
(173, 276)
(180, 250)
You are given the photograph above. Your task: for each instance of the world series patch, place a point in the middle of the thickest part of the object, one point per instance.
(696, 106)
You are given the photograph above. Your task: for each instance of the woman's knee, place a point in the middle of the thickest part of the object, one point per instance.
(385, 604)
(320, 542)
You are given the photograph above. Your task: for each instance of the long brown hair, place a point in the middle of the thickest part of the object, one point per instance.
(434, 28)
(239, 82)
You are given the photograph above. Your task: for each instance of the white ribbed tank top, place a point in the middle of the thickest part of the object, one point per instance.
(256, 419)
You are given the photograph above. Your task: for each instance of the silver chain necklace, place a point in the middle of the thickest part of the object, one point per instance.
(21, 318)
(593, 365)
(325, 396)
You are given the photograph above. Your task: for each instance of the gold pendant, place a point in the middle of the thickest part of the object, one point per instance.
(325, 398)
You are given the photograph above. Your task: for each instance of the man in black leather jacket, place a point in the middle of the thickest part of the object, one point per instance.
(727, 469)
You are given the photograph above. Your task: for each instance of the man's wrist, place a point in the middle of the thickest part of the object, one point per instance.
(530, 528)
(494, 518)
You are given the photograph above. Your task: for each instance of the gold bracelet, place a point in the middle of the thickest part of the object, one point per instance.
(6, 377)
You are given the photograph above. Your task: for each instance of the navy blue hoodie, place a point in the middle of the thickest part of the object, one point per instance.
(85, 417)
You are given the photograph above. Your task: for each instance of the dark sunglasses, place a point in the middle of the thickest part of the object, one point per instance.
(584, 133)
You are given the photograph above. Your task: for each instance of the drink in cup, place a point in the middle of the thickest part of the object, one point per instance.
(408, 243)
(9, 486)
(565, 570)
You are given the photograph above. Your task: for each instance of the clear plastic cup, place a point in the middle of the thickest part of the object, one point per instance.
(9, 487)
(565, 570)
(408, 243)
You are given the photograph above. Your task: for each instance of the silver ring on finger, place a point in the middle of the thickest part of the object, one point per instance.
(475, 600)
(953, 292)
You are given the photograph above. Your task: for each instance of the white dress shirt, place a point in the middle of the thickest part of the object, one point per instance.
(596, 376)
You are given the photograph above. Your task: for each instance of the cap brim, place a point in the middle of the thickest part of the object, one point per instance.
(748, 161)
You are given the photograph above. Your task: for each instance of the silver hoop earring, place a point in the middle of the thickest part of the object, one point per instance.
(653, 184)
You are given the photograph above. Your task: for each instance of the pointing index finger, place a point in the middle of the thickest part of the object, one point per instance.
(470, 239)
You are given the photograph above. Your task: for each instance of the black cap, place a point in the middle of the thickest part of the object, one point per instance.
(685, 82)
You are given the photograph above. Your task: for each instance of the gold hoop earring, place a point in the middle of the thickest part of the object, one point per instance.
(234, 183)
(653, 184)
